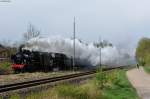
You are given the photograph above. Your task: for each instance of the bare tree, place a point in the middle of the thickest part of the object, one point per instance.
(32, 32)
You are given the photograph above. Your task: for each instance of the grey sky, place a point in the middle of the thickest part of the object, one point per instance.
(122, 22)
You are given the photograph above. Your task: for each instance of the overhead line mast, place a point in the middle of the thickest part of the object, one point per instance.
(74, 37)
(100, 52)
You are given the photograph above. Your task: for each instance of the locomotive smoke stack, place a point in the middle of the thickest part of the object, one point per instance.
(21, 47)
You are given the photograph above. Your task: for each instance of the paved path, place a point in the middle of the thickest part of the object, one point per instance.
(141, 81)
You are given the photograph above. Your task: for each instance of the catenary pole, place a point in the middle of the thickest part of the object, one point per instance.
(74, 37)
(100, 52)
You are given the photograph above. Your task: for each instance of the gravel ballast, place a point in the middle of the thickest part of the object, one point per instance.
(15, 78)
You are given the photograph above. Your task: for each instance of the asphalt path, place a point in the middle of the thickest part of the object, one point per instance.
(140, 81)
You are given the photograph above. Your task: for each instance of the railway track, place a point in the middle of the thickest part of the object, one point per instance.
(27, 84)
(15, 86)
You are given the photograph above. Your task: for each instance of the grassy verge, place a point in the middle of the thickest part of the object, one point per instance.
(119, 87)
(109, 85)
(147, 68)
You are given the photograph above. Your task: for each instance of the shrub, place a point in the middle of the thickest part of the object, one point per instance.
(101, 79)
(113, 77)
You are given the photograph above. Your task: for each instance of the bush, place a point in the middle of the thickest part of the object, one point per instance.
(101, 79)
(113, 77)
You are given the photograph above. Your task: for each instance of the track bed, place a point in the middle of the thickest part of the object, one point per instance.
(22, 77)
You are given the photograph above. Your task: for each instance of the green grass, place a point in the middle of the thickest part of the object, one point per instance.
(147, 68)
(120, 89)
(115, 85)
(16, 96)
(86, 91)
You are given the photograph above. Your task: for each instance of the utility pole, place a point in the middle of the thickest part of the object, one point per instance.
(100, 52)
(74, 37)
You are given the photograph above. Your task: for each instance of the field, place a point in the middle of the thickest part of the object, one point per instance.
(108, 85)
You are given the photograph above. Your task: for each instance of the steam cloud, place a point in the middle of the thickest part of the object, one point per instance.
(86, 54)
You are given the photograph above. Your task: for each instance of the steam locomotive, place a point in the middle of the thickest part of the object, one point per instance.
(26, 60)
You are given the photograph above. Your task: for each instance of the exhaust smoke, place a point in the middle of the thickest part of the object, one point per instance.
(86, 54)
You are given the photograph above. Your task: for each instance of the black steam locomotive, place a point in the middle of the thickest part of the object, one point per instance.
(26, 60)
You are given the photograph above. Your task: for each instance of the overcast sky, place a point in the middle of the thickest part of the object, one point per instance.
(122, 22)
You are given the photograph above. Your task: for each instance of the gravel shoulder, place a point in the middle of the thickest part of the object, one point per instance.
(140, 81)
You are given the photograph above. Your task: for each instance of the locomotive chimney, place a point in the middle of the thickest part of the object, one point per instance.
(20, 48)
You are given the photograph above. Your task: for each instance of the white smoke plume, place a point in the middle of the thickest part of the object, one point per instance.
(86, 54)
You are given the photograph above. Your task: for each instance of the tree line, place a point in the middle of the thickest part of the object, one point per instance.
(143, 51)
